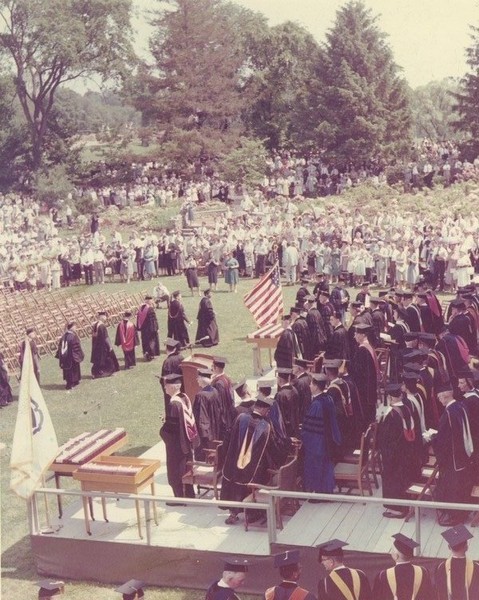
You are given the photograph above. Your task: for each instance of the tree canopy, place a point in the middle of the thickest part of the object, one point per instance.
(49, 43)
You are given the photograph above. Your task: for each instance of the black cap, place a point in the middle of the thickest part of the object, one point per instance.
(127, 314)
(324, 293)
(393, 389)
(310, 298)
(296, 310)
(375, 300)
(221, 361)
(443, 387)
(285, 559)
(173, 378)
(284, 371)
(404, 544)
(356, 304)
(411, 354)
(131, 589)
(332, 363)
(458, 303)
(331, 548)
(237, 565)
(426, 337)
(405, 294)
(50, 587)
(102, 313)
(148, 297)
(465, 373)
(301, 362)
(456, 536)
(171, 343)
(362, 328)
(204, 372)
(410, 336)
(318, 377)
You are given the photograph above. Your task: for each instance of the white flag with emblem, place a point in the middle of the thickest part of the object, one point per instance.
(34, 442)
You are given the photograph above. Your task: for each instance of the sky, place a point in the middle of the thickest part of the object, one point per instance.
(428, 37)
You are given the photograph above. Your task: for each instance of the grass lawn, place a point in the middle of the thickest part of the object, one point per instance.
(130, 399)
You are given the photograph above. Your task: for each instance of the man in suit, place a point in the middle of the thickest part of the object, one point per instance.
(341, 581)
(405, 580)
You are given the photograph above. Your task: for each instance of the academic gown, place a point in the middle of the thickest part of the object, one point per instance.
(207, 411)
(147, 325)
(179, 450)
(224, 386)
(287, 401)
(398, 454)
(328, 590)
(471, 403)
(171, 364)
(303, 335)
(404, 576)
(301, 385)
(70, 355)
(103, 358)
(286, 349)
(462, 325)
(455, 478)
(350, 423)
(177, 321)
(321, 440)
(207, 333)
(216, 592)
(363, 371)
(127, 337)
(458, 580)
(413, 317)
(254, 440)
(284, 591)
(455, 352)
(338, 344)
(317, 330)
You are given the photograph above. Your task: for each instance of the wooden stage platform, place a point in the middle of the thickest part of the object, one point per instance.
(197, 535)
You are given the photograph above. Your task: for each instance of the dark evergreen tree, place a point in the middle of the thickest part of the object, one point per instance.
(363, 105)
(467, 100)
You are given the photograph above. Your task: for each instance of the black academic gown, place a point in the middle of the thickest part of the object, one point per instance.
(303, 335)
(216, 592)
(207, 333)
(171, 364)
(288, 403)
(286, 349)
(284, 591)
(454, 350)
(462, 325)
(455, 466)
(317, 330)
(363, 371)
(471, 404)
(103, 358)
(70, 355)
(338, 344)
(403, 574)
(398, 454)
(147, 325)
(207, 411)
(413, 317)
(328, 590)
(251, 432)
(301, 385)
(177, 321)
(179, 450)
(349, 421)
(224, 386)
(459, 589)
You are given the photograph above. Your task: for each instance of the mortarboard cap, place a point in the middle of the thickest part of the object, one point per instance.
(176, 293)
(296, 310)
(318, 377)
(171, 343)
(456, 536)
(286, 317)
(265, 382)
(465, 373)
(173, 378)
(332, 363)
(284, 371)
(204, 372)
(383, 293)
(426, 337)
(365, 283)
(148, 297)
(285, 559)
(238, 385)
(406, 295)
(131, 589)
(302, 362)
(393, 389)
(310, 298)
(237, 565)
(127, 314)
(404, 544)
(410, 336)
(50, 588)
(331, 548)
(102, 313)
(356, 304)
(362, 327)
(443, 387)
(29, 330)
(221, 361)
(458, 303)
(324, 293)
(375, 299)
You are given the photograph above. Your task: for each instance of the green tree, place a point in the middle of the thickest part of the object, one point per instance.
(432, 107)
(467, 99)
(283, 69)
(12, 133)
(51, 42)
(245, 164)
(363, 106)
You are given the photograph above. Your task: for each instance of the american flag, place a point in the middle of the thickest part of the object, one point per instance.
(265, 301)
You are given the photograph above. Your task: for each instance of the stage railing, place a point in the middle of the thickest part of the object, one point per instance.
(274, 496)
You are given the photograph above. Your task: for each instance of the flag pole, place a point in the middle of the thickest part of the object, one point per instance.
(47, 508)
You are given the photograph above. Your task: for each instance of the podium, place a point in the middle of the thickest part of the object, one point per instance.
(189, 369)
(265, 338)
